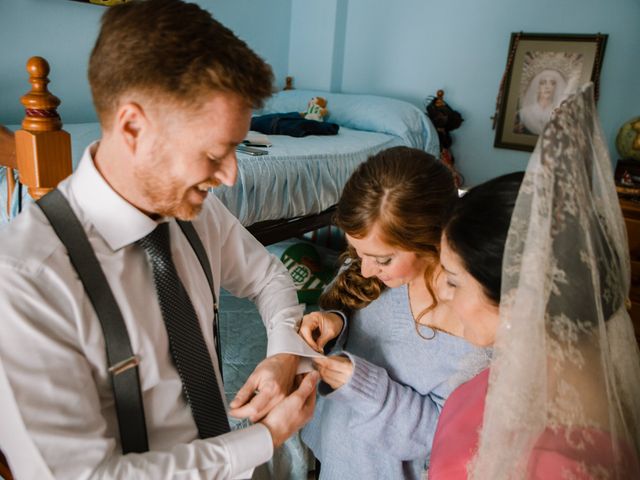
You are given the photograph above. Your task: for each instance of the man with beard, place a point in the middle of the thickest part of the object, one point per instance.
(173, 90)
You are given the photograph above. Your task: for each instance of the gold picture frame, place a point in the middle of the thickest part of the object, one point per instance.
(542, 69)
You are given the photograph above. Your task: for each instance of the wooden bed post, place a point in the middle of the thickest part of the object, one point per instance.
(43, 149)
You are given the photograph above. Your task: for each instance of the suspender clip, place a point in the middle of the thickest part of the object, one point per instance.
(124, 365)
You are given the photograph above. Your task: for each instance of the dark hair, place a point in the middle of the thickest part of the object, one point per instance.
(406, 193)
(477, 229)
(172, 50)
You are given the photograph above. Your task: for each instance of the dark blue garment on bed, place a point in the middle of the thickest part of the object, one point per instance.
(292, 124)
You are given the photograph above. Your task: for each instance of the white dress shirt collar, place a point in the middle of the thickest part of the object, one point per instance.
(115, 219)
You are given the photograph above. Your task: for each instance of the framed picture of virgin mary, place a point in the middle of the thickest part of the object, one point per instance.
(542, 70)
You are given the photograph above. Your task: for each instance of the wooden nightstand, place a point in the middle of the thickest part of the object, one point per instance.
(631, 212)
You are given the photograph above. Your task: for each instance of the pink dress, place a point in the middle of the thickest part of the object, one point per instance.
(457, 433)
(456, 437)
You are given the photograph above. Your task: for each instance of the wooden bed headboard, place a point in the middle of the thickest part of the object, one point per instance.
(42, 148)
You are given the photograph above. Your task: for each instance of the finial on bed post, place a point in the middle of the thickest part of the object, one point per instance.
(43, 149)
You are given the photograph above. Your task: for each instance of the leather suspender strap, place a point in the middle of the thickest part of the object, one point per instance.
(196, 244)
(122, 362)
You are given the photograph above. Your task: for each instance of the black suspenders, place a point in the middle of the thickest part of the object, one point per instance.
(123, 364)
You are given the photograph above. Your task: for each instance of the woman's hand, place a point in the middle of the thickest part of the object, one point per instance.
(335, 370)
(318, 328)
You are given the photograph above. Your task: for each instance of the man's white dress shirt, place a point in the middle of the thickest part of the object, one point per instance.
(53, 350)
(26, 462)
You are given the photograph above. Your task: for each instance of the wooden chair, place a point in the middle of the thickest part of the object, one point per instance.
(42, 153)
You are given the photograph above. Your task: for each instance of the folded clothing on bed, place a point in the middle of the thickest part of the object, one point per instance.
(291, 124)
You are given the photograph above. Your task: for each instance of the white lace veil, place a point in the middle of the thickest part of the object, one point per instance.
(566, 360)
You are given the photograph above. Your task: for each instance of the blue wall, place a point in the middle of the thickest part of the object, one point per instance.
(313, 43)
(63, 32)
(413, 49)
(406, 49)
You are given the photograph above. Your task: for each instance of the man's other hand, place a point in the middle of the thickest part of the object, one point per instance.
(268, 385)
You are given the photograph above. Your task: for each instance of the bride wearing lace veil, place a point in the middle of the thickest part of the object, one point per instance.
(563, 390)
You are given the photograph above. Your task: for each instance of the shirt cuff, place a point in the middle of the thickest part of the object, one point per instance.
(283, 339)
(248, 448)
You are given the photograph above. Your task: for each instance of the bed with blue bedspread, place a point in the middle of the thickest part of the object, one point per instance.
(306, 175)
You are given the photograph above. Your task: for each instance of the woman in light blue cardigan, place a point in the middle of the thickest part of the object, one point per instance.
(398, 350)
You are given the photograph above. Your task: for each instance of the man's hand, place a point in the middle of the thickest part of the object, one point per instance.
(267, 386)
(318, 328)
(294, 411)
(335, 370)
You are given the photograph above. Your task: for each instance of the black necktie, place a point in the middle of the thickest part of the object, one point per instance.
(186, 342)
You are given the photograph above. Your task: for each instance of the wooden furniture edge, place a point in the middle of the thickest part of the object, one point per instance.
(43, 149)
(273, 231)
